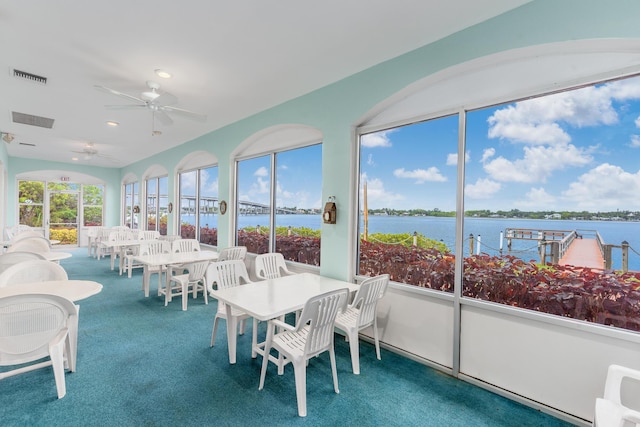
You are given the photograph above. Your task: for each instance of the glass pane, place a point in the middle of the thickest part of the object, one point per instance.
(128, 207)
(31, 192)
(136, 207)
(209, 205)
(254, 203)
(152, 203)
(63, 217)
(92, 216)
(63, 186)
(188, 207)
(31, 215)
(552, 177)
(92, 194)
(298, 204)
(408, 203)
(163, 204)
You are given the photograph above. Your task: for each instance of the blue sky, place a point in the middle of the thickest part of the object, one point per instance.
(575, 150)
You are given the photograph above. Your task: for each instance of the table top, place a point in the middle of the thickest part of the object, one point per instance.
(74, 290)
(118, 243)
(273, 298)
(176, 258)
(55, 255)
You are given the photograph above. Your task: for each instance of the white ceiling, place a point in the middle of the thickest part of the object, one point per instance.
(229, 60)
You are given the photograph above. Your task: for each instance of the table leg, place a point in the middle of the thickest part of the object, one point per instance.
(232, 334)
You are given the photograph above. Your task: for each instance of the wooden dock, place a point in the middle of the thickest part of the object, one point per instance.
(583, 253)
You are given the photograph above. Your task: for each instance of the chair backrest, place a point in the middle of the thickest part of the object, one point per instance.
(30, 244)
(227, 274)
(28, 322)
(197, 270)
(270, 266)
(154, 247)
(185, 245)
(32, 271)
(11, 232)
(371, 290)
(26, 235)
(148, 235)
(320, 314)
(120, 227)
(232, 252)
(12, 258)
(118, 235)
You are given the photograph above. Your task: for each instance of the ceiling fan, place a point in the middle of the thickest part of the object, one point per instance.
(160, 103)
(89, 152)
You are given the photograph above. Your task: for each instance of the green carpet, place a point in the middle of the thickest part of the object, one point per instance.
(143, 364)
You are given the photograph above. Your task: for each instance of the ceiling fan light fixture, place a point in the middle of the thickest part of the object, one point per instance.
(164, 74)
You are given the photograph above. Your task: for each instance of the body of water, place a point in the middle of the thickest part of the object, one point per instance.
(443, 229)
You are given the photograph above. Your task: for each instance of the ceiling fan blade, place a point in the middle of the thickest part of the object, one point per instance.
(117, 93)
(163, 117)
(125, 107)
(165, 99)
(185, 113)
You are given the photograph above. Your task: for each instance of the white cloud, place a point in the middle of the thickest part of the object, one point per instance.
(635, 141)
(487, 154)
(421, 175)
(538, 163)
(378, 139)
(482, 189)
(537, 121)
(370, 161)
(637, 122)
(537, 199)
(377, 195)
(452, 158)
(605, 187)
(261, 171)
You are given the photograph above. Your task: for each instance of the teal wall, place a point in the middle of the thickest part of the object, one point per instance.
(340, 107)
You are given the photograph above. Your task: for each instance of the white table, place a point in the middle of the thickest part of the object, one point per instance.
(74, 290)
(273, 298)
(119, 246)
(163, 260)
(55, 256)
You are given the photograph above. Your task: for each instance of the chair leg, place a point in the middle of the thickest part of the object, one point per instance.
(265, 358)
(300, 374)
(334, 370)
(354, 348)
(215, 329)
(254, 339)
(185, 294)
(56, 352)
(376, 339)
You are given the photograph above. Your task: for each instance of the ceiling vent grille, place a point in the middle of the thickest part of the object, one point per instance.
(28, 76)
(31, 120)
(27, 144)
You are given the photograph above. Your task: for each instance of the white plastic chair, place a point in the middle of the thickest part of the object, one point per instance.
(229, 274)
(126, 257)
(92, 237)
(11, 232)
(270, 266)
(31, 244)
(609, 410)
(26, 235)
(153, 247)
(312, 335)
(361, 314)
(12, 258)
(32, 271)
(36, 326)
(102, 236)
(232, 252)
(194, 280)
(182, 245)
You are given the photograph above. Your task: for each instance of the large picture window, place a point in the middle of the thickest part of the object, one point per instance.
(31, 203)
(157, 207)
(131, 206)
(550, 209)
(199, 205)
(278, 203)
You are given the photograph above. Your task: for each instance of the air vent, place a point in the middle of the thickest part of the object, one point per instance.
(26, 143)
(28, 119)
(28, 76)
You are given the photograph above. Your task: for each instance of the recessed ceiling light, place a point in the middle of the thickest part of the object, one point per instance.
(74, 159)
(112, 123)
(164, 74)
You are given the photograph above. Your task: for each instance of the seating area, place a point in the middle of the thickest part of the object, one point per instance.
(124, 337)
